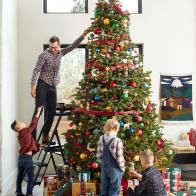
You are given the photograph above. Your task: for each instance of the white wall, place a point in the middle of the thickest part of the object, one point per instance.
(0, 96)
(167, 29)
(8, 88)
(35, 29)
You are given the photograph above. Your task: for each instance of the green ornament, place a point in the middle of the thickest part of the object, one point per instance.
(115, 25)
(111, 12)
(121, 85)
(122, 135)
(96, 13)
(103, 118)
(66, 152)
(125, 96)
(142, 124)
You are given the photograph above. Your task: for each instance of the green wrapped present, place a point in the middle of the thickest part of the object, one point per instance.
(192, 191)
(182, 193)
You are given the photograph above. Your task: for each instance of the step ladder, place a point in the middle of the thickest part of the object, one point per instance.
(43, 160)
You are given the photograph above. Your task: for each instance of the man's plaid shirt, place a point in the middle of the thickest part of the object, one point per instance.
(48, 64)
(151, 183)
(116, 149)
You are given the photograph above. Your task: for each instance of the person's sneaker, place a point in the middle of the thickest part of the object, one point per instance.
(19, 194)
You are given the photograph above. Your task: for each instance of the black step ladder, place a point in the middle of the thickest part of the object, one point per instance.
(42, 162)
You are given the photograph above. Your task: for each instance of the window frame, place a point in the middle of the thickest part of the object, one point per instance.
(46, 12)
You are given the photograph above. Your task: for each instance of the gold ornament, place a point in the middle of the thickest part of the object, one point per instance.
(129, 61)
(108, 109)
(79, 169)
(106, 21)
(107, 68)
(104, 50)
(104, 90)
(83, 155)
(147, 100)
(136, 158)
(136, 137)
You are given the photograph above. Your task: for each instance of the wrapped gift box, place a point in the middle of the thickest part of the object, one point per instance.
(172, 179)
(192, 191)
(50, 185)
(124, 184)
(192, 137)
(182, 193)
(81, 188)
(84, 176)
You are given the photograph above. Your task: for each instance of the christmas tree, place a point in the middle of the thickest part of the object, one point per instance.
(114, 84)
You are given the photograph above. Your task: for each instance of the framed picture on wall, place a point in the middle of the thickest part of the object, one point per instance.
(133, 6)
(65, 6)
(176, 98)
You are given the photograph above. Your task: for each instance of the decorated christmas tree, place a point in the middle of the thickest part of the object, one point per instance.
(114, 84)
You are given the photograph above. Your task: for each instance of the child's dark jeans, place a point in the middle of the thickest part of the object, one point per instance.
(25, 164)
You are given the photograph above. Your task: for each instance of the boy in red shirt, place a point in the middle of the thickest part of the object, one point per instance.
(27, 149)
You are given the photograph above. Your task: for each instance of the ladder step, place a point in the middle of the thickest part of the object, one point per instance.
(39, 163)
(37, 183)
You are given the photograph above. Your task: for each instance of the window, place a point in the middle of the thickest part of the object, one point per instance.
(138, 49)
(65, 6)
(133, 6)
(71, 69)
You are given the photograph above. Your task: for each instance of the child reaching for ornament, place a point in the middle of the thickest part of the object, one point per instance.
(150, 182)
(28, 147)
(110, 153)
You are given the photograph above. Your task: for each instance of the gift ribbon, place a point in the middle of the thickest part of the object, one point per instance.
(104, 113)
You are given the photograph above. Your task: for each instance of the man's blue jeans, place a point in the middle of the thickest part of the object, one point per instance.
(110, 181)
(25, 164)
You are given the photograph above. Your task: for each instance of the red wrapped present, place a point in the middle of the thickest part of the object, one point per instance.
(124, 184)
(50, 185)
(172, 179)
(192, 137)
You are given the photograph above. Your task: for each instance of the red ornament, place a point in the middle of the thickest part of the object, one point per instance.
(133, 84)
(138, 118)
(159, 142)
(113, 84)
(115, 98)
(103, 82)
(93, 103)
(137, 100)
(117, 48)
(87, 133)
(89, 165)
(71, 124)
(139, 132)
(72, 159)
(97, 30)
(95, 165)
(107, 55)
